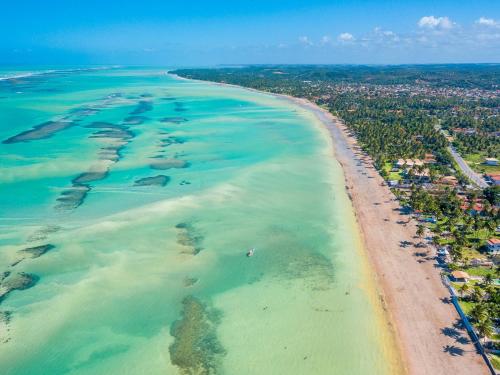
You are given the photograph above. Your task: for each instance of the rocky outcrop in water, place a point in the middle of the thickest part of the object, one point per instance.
(19, 281)
(190, 238)
(174, 120)
(169, 163)
(142, 106)
(160, 180)
(135, 120)
(45, 130)
(196, 348)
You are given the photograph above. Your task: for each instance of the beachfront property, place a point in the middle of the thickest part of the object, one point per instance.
(460, 276)
(491, 161)
(449, 180)
(493, 246)
(493, 178)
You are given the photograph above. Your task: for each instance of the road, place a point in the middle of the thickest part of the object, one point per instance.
(466, 170)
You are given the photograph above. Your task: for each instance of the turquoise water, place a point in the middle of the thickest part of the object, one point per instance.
(149, 276)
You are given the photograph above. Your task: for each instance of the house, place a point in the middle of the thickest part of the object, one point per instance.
(422, 176)
(493, 178)
(491, 161)
(477, 262)
(409, 163)
(449, 180)
(429, 159)
(460, 276)
(400, 163)
(493, 246)
(418, 162)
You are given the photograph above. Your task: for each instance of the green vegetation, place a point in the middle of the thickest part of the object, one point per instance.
(196, 349)
(412, 113)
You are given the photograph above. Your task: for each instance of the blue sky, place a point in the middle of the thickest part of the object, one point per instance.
(173, 33)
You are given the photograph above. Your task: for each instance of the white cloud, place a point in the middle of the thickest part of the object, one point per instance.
(385, 35)
(483, 21)
(326, 40)
(431, 22)
(346, 37)
(305, 40)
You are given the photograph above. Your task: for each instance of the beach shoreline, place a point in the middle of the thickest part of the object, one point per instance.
(418, 312)
(416, 304)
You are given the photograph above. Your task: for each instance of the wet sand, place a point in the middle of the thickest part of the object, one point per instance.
(425, 323)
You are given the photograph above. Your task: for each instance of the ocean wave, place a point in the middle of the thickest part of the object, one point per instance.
(17, 75)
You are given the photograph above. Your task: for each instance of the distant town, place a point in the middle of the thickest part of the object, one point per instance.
(433, 134)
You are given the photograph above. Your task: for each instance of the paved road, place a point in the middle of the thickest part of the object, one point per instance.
(466, 170)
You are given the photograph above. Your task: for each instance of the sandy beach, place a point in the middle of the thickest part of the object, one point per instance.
(425, 324)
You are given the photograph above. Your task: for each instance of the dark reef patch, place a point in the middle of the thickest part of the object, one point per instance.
(179, 107)
(72, 197)
(174, 120)
(142, 106)
(116, 137)
(42, 234)
(92, 176)
(163, 164)
(18, 281)
(135, 120)
(165, 142)
(82, 112)
(189, 281)
(196, 348)
(37, 251)
(42, 131)
(190, 238)
(160, 180)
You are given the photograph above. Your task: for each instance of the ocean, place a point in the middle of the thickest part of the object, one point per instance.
(128, 201)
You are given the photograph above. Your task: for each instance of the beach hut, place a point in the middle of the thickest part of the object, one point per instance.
(460, 276)
(491, 161)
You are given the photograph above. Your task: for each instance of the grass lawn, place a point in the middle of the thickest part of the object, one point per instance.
(495, 360)
(476, 162)
(473, 253)
(396, 176)
(466, 306)
(479, 271)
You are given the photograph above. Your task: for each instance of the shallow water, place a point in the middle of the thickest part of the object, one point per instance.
(152, 278)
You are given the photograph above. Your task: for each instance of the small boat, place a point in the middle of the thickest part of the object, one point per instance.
(250, 252)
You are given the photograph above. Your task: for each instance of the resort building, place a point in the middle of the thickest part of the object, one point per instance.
(493, 246)
(429, 159)
(493, 178)
(491, 161)
(449, 180)
(460, 276)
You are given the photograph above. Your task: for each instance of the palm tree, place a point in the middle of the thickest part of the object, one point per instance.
(484, 328)
(420, 230)
(477, 294)
(464, 289)
(488, 279)
(478, 312)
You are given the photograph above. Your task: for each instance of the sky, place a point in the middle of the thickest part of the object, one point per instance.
(205, 33)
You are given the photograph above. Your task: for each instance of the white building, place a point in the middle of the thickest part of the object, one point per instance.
(494, 246)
